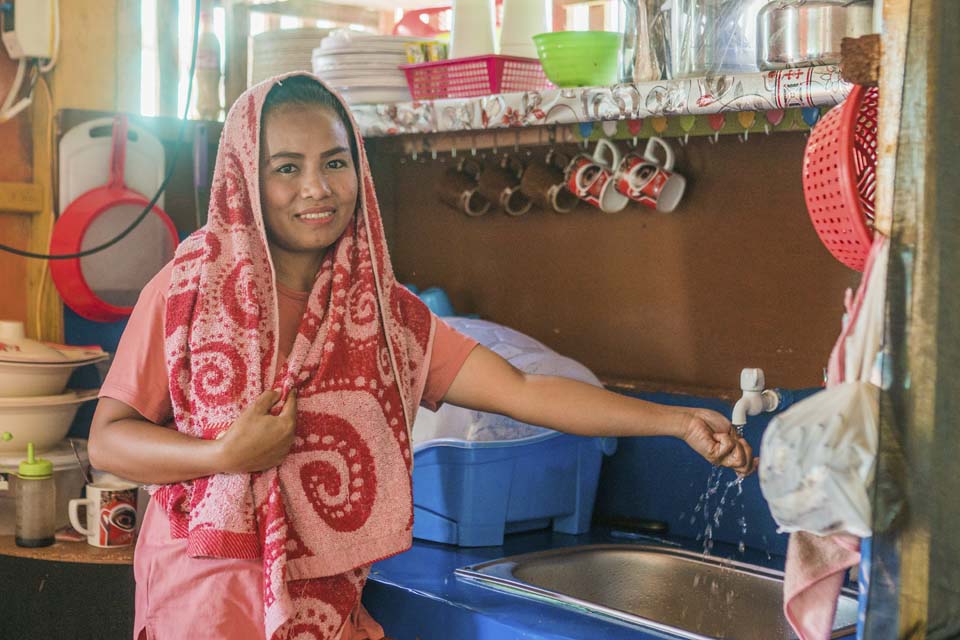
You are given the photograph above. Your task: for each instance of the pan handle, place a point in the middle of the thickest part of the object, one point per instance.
(118, 152)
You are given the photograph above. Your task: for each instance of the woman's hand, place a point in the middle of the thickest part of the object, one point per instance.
(712, 436)
(258, 440)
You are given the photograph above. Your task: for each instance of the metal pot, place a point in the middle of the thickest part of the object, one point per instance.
(804, 33)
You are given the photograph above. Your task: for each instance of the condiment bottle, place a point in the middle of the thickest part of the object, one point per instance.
(36, 500)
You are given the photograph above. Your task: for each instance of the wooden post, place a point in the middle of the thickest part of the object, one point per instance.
(915, 566)
(168, 57)
(44, 308)
(238, 33)
(129, 54)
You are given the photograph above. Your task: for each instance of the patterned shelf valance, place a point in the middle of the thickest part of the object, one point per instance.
(767, 91)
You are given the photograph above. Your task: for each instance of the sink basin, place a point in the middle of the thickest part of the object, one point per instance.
(675, 591)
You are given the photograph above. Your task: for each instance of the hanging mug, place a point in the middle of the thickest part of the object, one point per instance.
(501, 184)
(458, 188)
(647, 180)
(546, 185)
(590, 177)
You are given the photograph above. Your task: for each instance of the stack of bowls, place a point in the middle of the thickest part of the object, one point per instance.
(35, 405)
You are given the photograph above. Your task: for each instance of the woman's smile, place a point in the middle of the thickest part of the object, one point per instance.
(316, 216)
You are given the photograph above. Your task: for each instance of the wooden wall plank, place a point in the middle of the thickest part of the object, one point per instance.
(916, 558)
(14, 226)
(736, 277)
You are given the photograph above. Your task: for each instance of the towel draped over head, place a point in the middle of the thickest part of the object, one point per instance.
(342, 498)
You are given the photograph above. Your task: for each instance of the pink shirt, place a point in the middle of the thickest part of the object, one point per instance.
(225, 595)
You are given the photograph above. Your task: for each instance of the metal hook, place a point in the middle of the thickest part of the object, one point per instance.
(635, 142)
(766, 128)
(686, 139)
(473, 145)
(552, 135)
(716, 137)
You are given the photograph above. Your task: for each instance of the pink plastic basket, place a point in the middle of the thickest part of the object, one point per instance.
(475, 76)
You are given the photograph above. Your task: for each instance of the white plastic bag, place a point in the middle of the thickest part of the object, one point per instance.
(524, 353)
(818, 458)
(818, 461)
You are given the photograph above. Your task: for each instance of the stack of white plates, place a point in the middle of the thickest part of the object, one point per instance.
(276, 52)
(364, 68)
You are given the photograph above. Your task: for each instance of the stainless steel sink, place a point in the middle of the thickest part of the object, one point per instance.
(680, 592)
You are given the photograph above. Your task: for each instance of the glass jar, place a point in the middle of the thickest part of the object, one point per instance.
(710, 37)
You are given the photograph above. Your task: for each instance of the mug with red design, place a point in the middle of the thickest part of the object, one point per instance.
(647, 180)
(590, 178)
(111, 513)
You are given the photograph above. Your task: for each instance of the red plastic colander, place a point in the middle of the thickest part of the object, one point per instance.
(840, 176)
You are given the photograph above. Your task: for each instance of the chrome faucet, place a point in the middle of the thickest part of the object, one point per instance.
(755, 398)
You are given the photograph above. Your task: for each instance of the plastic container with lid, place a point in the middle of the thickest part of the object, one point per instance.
(67, 478)
(36, 502)
(479, 475)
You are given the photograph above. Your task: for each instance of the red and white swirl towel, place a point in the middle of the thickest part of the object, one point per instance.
(342, 498)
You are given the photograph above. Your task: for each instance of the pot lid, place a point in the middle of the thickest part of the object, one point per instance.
(16, 347)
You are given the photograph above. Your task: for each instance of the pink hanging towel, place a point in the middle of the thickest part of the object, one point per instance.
(816, 564)
(342, 498)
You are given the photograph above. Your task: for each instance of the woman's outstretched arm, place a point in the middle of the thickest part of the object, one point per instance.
(487, 382)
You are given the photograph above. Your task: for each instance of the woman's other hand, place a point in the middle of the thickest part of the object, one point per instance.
(712, 436)
(258, 440)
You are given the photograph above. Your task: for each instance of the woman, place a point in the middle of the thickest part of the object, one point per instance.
(291, 364)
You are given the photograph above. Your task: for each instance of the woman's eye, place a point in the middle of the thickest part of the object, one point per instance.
(287, 168)
(337, 164)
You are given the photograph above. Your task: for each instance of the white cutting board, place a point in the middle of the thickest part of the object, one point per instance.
(85, 160)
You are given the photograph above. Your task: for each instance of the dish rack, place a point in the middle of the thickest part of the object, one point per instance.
(474, 76)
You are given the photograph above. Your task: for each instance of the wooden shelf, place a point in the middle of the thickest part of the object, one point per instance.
(79, 552)
(770, 91)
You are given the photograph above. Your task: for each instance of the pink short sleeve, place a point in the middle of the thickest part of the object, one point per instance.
(138, 374)
(450, 351)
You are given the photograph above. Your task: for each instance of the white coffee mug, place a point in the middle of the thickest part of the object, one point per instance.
(111, 514)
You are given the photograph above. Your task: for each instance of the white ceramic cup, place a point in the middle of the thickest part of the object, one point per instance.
(472, 33)
(111, 513)
(522, 19)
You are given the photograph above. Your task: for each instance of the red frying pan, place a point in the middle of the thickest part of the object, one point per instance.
(104, 286)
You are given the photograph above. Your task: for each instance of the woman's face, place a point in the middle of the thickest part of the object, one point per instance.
(308, 182)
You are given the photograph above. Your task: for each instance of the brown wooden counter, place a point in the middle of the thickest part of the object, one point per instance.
(69, 590)
(68, 552)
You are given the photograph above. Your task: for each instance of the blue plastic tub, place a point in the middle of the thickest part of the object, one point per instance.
(471, 493)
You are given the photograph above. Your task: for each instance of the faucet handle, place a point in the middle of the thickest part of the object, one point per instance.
(752, 380)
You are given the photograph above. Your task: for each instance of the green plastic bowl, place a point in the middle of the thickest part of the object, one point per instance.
(580, 58)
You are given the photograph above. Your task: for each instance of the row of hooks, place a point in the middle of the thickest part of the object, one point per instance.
(425, 146)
